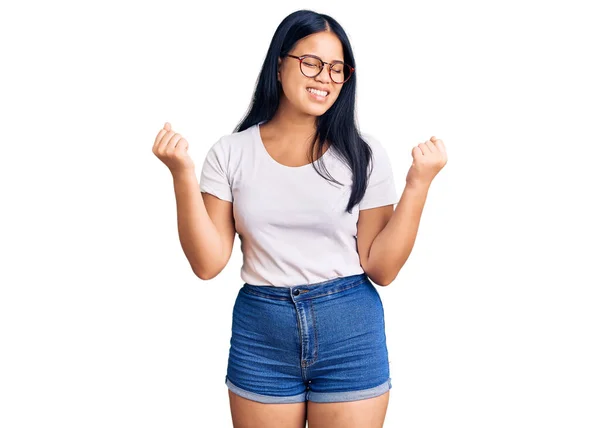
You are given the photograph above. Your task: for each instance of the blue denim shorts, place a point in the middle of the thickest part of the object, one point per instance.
(323, 342)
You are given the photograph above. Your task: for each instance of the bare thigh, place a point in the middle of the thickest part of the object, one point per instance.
(252, 414)
(368, 413)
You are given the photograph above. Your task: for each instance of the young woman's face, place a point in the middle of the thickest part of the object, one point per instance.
(295, 85)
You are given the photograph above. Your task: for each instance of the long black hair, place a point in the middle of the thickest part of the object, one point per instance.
(338, 124)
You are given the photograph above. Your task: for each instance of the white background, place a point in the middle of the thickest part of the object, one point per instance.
(493, 322)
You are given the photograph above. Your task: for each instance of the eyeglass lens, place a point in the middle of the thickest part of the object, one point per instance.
(312, 66)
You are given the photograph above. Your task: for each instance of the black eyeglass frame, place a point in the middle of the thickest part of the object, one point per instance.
(331, 64)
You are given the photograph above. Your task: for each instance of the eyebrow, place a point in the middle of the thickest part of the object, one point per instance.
(335, 60)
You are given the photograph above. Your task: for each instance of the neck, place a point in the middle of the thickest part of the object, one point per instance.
(292, 124)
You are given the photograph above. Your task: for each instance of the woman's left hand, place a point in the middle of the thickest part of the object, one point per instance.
(428, 159)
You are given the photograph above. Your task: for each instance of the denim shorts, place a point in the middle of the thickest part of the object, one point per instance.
(323, 342)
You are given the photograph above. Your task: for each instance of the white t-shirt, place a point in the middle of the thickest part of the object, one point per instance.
(291, 222)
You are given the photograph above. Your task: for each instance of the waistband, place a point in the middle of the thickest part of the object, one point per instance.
(307, 291)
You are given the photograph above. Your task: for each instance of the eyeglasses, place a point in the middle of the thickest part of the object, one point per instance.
(311, 66)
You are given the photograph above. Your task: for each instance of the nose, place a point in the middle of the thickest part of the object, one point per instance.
(324, 76)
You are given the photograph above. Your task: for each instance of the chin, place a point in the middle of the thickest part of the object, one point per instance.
(316, 110)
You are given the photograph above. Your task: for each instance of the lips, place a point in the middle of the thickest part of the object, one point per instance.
(318, 89)
(317, 98)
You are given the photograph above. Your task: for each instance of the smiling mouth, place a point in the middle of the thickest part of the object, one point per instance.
(320, 95)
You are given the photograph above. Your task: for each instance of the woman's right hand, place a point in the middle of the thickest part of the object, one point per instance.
(171, 148)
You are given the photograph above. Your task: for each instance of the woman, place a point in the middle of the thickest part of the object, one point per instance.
(308, 332)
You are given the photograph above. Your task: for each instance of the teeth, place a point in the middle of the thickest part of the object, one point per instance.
(315, 91)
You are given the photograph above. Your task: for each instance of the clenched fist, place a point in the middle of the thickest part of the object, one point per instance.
(171, 148)
(428, 159)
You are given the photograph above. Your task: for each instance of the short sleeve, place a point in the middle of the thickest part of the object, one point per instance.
(214, 177)
(381, 186)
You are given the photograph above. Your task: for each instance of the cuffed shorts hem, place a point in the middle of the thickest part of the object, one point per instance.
(300, 398)
(315, 397)
(332, 397)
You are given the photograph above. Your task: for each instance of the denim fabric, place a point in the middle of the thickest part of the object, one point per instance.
(323, 342)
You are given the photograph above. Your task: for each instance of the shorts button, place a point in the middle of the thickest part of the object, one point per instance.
(296, 292)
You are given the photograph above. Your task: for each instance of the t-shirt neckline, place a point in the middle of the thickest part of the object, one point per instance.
(263, 149)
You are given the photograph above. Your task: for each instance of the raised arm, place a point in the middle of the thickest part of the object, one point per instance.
(204, 222)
